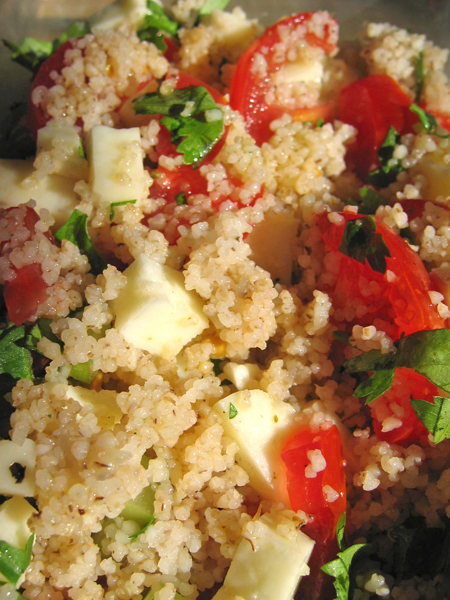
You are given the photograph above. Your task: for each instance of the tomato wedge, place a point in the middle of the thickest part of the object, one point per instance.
(372, 105)
(253, 89)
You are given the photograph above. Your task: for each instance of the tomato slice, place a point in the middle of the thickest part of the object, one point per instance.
(24, 293)
(399, 297)
(372, 105)
(252, 88)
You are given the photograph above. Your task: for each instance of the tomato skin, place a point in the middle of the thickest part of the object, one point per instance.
(403, 301)
(306, 493)
(249, 89)
(24, 293)
(36, 116)
(372, 105)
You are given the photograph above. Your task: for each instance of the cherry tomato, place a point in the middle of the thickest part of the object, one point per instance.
(37, 117)
(24, 293)
(372, 105)
(399, 297)
(252, 88)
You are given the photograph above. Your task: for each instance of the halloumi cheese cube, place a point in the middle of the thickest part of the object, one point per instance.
(103, 404)
(155, 312)
(67, 149)
(17, 467)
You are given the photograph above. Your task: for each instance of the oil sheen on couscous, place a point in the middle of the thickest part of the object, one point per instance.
(224, 345)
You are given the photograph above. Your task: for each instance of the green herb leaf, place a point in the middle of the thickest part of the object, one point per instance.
(340, 570)
(320, 122)
(75, 230)
(389, 166)
(340, 531)
(342, 336)
(428, 121)
(232, 411)
(180, 199)
(138, 533)
(361, 242)
(14, 562)
(156, 17)
(15, 360)
(375, 386)
(120, 203)
(419, 73)
(435, 417)
(213, 5)
(370, 201)
(194, 133)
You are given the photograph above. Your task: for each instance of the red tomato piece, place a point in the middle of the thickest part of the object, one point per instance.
(372, 105)
(400, 296)
(36, 115)
(321, 495)
(24, 293)
(252, 84)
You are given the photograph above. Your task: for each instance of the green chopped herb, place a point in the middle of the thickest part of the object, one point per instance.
(194, 120)
(81, 151)
(390, 167)
(340, 531)
(320, 122)
(155, 24)
(342, 336)
(419, 73)
(362, 243)
(83, 372)
(370, 201)
(340, 570)
(120, 203)
(435, 417)
(407, 235)
(211, 5)
(428, 121)
(14, 562)
(232, 411)
(75, 230)
(180, 199)
(138, 533)
(15, 359)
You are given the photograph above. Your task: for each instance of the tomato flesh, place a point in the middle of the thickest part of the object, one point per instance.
(24, 293)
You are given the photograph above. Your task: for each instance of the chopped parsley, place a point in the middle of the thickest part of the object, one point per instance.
(194, 120)
(419, 73)
(14, 562)
(390, 167)
(211, 5)
(15, 358)
(428, 121)
(362, 243)
(138, 533)
(180, 198)
(435, 417)
(232, 411)
(370, 201)
(75, 230)
(155, 24)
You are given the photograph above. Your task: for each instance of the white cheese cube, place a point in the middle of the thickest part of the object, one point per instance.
(306, 71)
(119, 12)
(155, 312)
(267, 565)
(273, 242)
(66, 148)
(53, 192)
(233, 32)
(437, 173)
(260, 428)
(19, 461)
(102, 403)
(240, 375)
(116, 164)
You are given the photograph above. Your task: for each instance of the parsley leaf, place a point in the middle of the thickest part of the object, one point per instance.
(138, 533)
(362, 243)
(14, 562)
(15, 360)
(194, 120)
(342, 336)
(428, 121)
(180, 199)
(370, 201)
(155, 24)
(435, 417)
(232, 411)
(390, 167)
(340, 531)
(75, 230)
(120, 203)
(419, 73)
(375, 386)
(212, 5)
(340, 570)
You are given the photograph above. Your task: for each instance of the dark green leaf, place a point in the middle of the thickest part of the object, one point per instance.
(340, 570)
(157, 18)
(370, 201)
(362, 243)
(419, 73)
(232, 411)
(31, 53)
(406, 234)
(154, 36)
(14, 562)
(342, 336)
(340, 531)
(180, 199)
(138, 533)
(15, 360)
(193, 133)
(389, 166)
(435, 417)
(213, 5)
(216, 366)
(120, 203)
(75, 230)
(428, 121)
(375, 386)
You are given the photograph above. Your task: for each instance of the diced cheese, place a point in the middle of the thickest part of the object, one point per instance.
(307, 71)
(65, 144)
(155, 312)
(437, 175)
(240, 375)
(232, 30)
(20, 460)
(14, 516)
(272, 243)
(114, 15)
(267, 565)
(259, 428)
(53, 192)
(116, 164)
(103, 404)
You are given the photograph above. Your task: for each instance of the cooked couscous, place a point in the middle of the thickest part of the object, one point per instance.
(225, 266)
